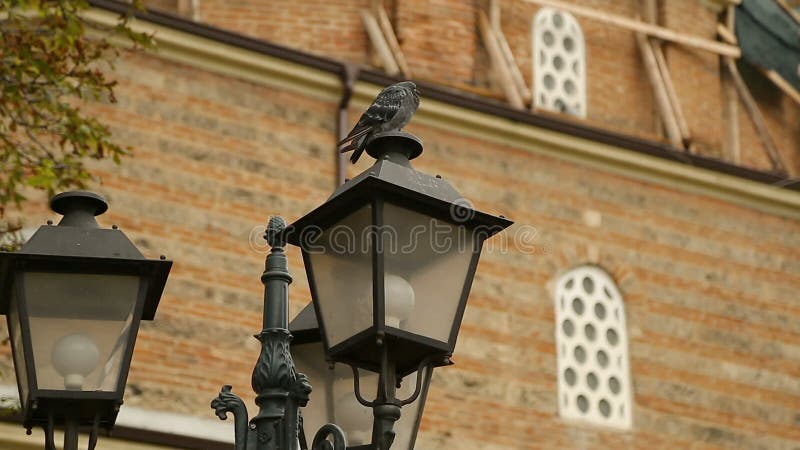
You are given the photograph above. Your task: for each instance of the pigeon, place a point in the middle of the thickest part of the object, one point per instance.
(391, 111)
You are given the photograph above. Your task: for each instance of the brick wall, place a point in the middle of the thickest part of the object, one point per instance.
(441, 42)
(710, 288)
(331, 28)
(711, 314)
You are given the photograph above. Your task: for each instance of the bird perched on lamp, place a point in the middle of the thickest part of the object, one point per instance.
(391, 111)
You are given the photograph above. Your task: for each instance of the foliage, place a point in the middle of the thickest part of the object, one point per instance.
(52, 59)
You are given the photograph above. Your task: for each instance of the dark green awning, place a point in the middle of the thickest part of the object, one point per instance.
(769, 38)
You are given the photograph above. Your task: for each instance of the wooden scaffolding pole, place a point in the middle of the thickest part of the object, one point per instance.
(499, 63)
(755, 115)
(508, 55)
(672, 95)
(379, 42)
(391, 39)
(782, 84)
(649, 10)
(659, 91)
(731, 106)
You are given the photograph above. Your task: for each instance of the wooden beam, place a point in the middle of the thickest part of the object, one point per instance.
(391, 39)
(494, 14)
(789, 10)
(782, 84)
(659, 91)
(649, 13)
(511, 62)
(498, 62)
(731, 105)
(516, 74)
(649, 10)
(495, 21)
(755, 115)
(727, 35)
(642, 27)
(379, 43)
(672, 95)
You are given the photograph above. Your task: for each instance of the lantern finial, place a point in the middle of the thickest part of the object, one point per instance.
(79, 208)
(398, 147)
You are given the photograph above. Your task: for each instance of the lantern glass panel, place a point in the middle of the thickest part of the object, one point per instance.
(426, 261)
(80, 328)
(333, 400)
(15, 333)
(341, 262)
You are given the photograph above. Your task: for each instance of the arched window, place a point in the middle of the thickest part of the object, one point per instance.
(594, 382)
(559, 62)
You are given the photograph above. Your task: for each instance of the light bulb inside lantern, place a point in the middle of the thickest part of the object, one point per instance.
(399, 297)
(355, 419)
(75, 356)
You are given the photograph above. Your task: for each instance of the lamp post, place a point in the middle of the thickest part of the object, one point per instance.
(390, 259)
(73, 297)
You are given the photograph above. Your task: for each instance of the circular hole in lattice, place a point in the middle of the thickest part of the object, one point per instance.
(569, 44)
(541, 20)
(549, 82)
(561, 106)
(590, 332)
(558, 20)
(605, 288)
(561, 300)
(580, 354)
(569, 283)
(568, 327)
(558, 62)
(542, 57)
(577, 305)
(605, 408)
(616, 313)
(602, 358)
(588, 283)
(548, 38)
(592, 381)
(576, 68)
(612, 337)
(570, 376)
(569, 88)
(614, 386)
(583, 403)
(542, 99)
(599, 311)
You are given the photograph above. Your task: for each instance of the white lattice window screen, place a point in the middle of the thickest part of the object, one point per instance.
(559, 62)
(592, 344)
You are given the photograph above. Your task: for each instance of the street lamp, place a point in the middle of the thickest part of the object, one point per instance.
(334, 401)
(73, 297)
(390, 259)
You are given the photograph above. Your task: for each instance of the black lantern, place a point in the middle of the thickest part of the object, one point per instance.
(73, 297)
(334, 401)
(390, 259)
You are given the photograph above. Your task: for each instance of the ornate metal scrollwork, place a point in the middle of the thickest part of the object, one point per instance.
(275, 368)
(280, 390)
(228, 402)
(332, 431)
